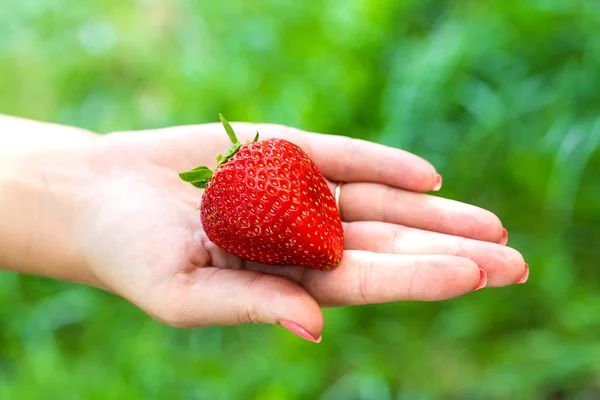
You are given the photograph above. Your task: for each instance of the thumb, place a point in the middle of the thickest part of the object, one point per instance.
(214, 296)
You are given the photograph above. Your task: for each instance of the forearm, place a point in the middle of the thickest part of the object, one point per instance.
(41, 168)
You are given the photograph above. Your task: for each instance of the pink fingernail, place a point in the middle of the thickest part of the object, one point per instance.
(504, 238)
(482, 280)
(525, 275)
(300, 331)
(438, 184)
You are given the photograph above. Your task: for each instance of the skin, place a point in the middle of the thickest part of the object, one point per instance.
(110, 211)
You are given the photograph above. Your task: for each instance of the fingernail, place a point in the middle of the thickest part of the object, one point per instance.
(438, 184)
(482, 280)
(504, 238)
(300, 331)
(525, 275)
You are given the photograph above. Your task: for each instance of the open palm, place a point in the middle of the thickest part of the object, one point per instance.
(142, 236)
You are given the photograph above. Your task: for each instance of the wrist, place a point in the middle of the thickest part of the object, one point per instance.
(43, 169)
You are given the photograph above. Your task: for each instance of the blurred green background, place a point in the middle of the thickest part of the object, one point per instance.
(501, 96)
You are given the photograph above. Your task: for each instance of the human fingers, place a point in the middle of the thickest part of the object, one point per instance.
(375, 202)
(345, 159)
(365, 277)
(503, 265)
(339, 158)
(218, 296)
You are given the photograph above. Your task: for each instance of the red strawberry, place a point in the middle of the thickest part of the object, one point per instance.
(268, 202)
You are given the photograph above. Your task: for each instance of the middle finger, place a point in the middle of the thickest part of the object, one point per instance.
(375, 202)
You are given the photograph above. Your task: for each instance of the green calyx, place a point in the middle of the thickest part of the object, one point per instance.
(200, 176)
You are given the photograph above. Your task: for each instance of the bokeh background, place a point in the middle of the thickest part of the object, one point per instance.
(501, 96)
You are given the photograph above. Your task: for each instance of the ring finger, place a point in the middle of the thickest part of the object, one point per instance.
(504, 265)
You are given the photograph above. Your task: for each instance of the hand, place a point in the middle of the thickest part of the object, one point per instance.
(140, 233)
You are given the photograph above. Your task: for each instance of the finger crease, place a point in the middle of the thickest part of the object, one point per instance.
(346, 162)
(385, 199)
(247, 312)
(411, 281)
(395, 247)
(364, 282)
(459, 247)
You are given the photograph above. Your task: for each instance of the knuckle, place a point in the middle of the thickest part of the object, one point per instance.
(348, 149)
(396, 246)
(247, 314)
(457, 249)
(364, 283)
(388, 196)
(410, 291)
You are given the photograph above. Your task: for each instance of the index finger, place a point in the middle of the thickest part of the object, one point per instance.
(339, 158)
(345, 159)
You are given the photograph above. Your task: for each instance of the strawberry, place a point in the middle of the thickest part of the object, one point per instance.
(266, 201)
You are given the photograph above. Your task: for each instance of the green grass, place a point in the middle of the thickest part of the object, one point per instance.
(502, 96)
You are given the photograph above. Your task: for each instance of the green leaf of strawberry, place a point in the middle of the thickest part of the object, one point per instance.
(236, 143)
(268, 202)
(198, 176)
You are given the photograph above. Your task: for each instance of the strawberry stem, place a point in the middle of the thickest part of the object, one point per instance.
(200, 176)
(229, 130)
